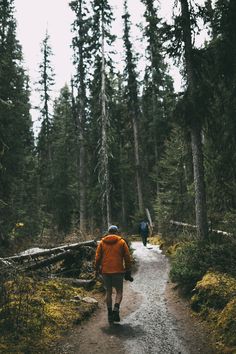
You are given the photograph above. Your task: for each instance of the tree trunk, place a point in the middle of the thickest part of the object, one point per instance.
(123, 209)
(195, 130)
(137, 164)
(133, 103)
(81, 125)
(82, 174)
(104, 143)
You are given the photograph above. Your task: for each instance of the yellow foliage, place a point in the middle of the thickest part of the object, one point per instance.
(171, 250)
(227, 323)
(214, 291)
(36, 313)
(20, 224)
(215, 299)
(156, 240)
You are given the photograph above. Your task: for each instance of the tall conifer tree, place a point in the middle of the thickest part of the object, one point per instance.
(81, 47)
(16, 137)
(102, 40)
(157, 100)
(133, 102)
(45, 83)
(64, 151)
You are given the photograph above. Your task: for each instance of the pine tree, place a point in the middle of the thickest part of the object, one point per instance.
(219, 74)
(133, 102)
(175, 198)
(16, 137)
(122, 165)
(157, 100)
(64, 151)
(193, 112)
(44, 148)
(102, 40)
(82, 54)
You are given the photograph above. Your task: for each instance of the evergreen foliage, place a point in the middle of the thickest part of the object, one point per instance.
(175, 199)
(64, 150)
(44, 143)
(117, 143)
(17, 195)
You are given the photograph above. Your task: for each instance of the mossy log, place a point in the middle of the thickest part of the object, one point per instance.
(50, 251)
(63, 256)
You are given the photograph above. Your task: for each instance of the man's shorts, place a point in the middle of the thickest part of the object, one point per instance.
(113, 281)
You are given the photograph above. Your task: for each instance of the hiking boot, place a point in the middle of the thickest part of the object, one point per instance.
(116, 316)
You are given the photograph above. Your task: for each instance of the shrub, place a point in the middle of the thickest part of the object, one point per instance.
(215, 300)
(193, 259)
(214, 291)
(226, 323)
(188, 265)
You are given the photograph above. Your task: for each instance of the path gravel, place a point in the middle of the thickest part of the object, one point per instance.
(153, 318)
(155, 327)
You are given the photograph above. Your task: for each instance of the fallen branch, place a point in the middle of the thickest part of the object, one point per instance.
(54, 250)
(51, 260)
(182, 224)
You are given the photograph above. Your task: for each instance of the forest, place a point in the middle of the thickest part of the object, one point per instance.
(114, 144)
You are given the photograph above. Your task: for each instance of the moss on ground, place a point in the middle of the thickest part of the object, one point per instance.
(215, 300)
(168, 247)
(35, 313)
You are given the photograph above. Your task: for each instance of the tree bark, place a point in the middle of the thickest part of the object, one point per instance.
(195, 129)
(104, 143)
(82, 118)
(133, 104)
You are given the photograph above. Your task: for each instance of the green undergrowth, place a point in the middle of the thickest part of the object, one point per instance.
(205, 272)
(35, 313)
(215, 300)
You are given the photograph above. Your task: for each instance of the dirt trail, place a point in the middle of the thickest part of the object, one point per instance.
(153, 319)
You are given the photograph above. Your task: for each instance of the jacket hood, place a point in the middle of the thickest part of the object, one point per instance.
(111, 239)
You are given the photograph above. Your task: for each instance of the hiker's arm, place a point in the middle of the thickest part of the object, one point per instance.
(98, 257)
(127, 257)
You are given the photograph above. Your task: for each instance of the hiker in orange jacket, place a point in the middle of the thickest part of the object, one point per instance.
(113, 262)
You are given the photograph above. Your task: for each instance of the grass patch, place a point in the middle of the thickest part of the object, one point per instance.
(34, 313)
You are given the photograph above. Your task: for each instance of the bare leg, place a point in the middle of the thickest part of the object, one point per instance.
(109, 297)
(119, 296)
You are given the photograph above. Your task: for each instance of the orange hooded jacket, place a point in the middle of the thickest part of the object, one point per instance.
(111, 254)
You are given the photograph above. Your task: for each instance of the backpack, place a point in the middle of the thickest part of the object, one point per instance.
(144, 226)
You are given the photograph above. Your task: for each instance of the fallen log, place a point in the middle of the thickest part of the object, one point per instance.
(54, 250)
(49, 261)
(182, 224)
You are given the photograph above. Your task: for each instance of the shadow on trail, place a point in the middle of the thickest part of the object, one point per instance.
(123, 330)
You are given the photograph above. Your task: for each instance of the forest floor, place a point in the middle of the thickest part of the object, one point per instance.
(154, 320)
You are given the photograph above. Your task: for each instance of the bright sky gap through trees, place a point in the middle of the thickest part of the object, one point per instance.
(35, 17)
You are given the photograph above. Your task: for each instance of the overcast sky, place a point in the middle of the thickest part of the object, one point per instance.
(35, 16)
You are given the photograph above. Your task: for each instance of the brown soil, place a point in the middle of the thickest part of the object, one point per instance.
(142, 331)
(95, 335)
(195, 333)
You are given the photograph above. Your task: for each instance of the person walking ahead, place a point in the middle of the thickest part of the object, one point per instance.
(144, 231)
(113, 261)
